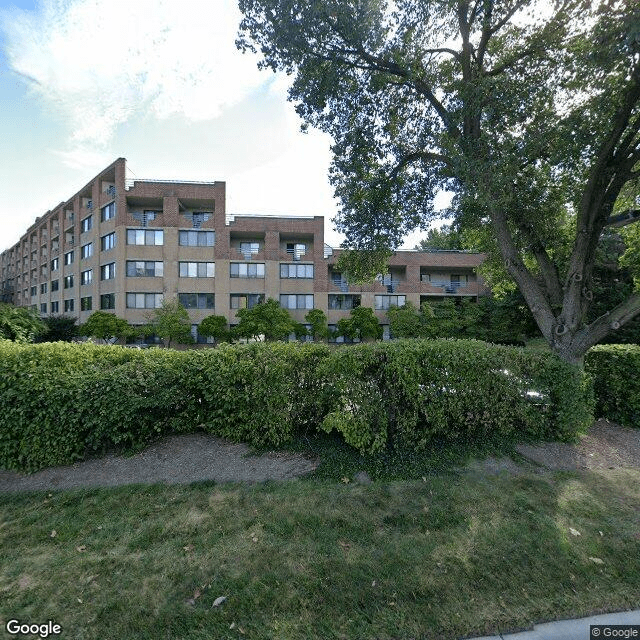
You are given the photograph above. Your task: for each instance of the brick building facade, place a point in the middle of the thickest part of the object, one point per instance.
(125, 246)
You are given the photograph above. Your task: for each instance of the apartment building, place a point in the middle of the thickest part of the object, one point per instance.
(125, 246)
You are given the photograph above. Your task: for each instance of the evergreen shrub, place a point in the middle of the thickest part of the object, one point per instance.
(61, 402)
(616, 372)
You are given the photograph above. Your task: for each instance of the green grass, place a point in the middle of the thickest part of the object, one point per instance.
(441, 557)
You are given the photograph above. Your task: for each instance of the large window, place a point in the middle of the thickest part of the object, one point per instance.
(108, 301)
(68, 257)
(197, 300)
(296, 271)
(384, 302)
(144, 300)
(86, 224)
(85, 304)
(197, 238)
(55, 307)
(43, 307)
(86, 251)
(247, 269)
(108, 242)
(343, 301)
(197, 269)
(144, 269)
(43, 287)
(108, 212)
(55, 264)
(249, 248)
(55, 285)
(108, 271)
(145, 236)
(86, 277)
(246, 300)
(68, 305)
(68, 282)
(296, 301)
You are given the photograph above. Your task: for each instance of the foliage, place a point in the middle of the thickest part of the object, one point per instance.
(215, 327)
(405, 321)
(59, 329)
(361, 324)
(266, 319)
(616, 372)
(20, 324)
(530, 117)
(405, 393)
(318, 321)
(172, 322)
(105, 326)
(442, 238)
(361, 267)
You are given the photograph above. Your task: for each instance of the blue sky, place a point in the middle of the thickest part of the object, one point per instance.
(159, 82)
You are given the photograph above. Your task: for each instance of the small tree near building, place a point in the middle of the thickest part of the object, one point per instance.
(172, 323)
(215, 327)
(59, 329)
(319, 330)
(266, 319)
(20, 324)
(105, 326)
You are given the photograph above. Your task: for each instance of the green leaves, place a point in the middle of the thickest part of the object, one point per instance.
(20, 324)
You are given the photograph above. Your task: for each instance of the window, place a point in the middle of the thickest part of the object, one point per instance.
(43, 307)
(68, 282)
(384, 302)
(141, 269)
(108, 301)
(197, 269)
(459, 280)
(86, 224)
(197, 300)
(108, 242)
(108, 212)
(68, 305)
(296, 301)
(144, 300)
(197, 238)
(43, 288)
(249, 248)
(55, 307)
(108, 271)
(86, 276)
(34, 291)
(296, 271)
(68, 257)
(85, 304)
(55, 285)
(86, 251)
(296, 250)
(348, 301)
(247, 270)
(144, 236)
(55, 264)
(246, 300)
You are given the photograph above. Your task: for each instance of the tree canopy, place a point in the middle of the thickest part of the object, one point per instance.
(20, 324)
(266, 319)
(172, 323)
(105, 326)
(528, 111)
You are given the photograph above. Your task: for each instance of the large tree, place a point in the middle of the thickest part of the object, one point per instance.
(528, 111)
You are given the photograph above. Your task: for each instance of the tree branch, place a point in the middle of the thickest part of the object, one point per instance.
(418, 155)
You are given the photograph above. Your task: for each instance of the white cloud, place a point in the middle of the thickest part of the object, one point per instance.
(96, 63)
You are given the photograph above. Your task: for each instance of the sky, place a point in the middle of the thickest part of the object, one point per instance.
(161, 83)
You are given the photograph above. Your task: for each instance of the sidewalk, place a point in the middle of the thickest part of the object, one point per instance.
(573, 629)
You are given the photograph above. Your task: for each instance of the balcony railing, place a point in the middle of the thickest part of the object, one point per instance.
(248, 254)
(341, 284)
(448, 287)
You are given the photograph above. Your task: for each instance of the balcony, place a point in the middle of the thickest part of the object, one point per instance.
(340, 283)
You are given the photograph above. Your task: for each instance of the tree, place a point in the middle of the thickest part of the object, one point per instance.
(446, 237)
(266, 319)
(59, 328)
(105, 326)
(318, 321)
(172, 322)
(20, 324)
(529, 114)
(215, 327)
(362, 324)
(405, 322)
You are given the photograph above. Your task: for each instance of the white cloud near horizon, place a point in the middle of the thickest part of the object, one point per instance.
(97, 63)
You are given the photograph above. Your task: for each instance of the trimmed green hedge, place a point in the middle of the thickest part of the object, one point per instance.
(616, 372)
(63, 401)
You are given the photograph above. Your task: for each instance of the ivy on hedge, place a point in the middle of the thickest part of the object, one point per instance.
(63, 401)
(616, 372)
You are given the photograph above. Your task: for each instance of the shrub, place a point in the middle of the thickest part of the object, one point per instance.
(616, 372)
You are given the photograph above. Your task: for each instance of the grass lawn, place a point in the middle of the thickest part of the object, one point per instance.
(440, 556)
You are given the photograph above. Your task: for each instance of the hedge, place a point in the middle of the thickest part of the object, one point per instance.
(61, 402)
(616, 372)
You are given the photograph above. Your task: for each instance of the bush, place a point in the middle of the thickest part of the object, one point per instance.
(409, 392)
(63, 401)
(616, 372)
